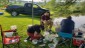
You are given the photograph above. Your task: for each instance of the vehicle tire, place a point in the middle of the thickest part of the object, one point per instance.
(14, 13)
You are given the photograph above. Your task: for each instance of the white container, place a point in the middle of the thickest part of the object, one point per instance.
(51, 45)
(34, 41)
(14, 27)
(25, 40)
(44, 41)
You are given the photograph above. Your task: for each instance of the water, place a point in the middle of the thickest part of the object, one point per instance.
(79, 20)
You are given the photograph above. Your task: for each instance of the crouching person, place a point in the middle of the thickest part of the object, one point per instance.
(34, 32)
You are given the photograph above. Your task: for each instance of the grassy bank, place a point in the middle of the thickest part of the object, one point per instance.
(22, 21)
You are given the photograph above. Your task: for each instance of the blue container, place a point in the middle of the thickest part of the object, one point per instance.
(1, 13)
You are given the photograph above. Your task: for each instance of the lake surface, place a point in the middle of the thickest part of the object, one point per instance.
(79, 20)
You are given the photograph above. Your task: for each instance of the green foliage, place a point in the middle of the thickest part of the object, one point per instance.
(70, 2)
(65, 8)
(83, 7)
(51, 4)
(3, 2)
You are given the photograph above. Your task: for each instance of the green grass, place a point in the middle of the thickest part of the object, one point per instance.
(22, 21)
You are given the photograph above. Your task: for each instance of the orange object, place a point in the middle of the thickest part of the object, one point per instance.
(33, 37)
(78, 41)
(9, 40)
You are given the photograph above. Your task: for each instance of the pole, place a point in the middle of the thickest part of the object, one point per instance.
(32, 14)
(1, 35)
(45, 1)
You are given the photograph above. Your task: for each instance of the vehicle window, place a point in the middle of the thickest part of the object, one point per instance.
(29, 5)
(35, 6)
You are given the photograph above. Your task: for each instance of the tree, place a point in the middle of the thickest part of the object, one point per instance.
(45, 1)
(61, 8)
(70, 2)
(4, 2)
(51, 4)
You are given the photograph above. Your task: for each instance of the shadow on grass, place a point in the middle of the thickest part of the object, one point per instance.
(25, 16)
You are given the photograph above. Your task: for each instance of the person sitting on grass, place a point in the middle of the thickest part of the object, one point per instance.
(34, 32)
(46, 21)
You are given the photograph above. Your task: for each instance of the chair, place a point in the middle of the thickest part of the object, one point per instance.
(65, 37)
(10, 38)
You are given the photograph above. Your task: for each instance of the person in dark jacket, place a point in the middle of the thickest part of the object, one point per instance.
(46, 21)
(67, 25)
(66, 29)
(34, 32)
